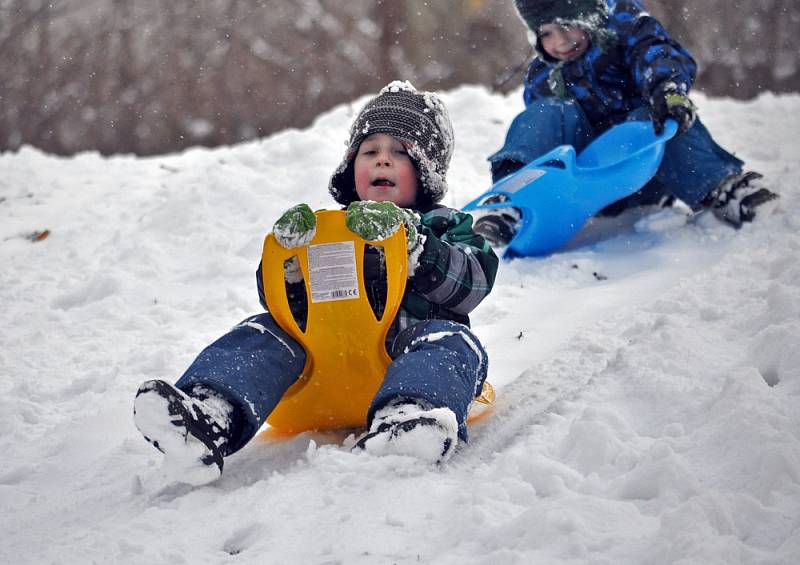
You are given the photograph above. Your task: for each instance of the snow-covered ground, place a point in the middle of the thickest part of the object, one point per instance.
(648, 384)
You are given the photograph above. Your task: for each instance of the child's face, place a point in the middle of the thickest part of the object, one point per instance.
(385, 172)
(563, 42)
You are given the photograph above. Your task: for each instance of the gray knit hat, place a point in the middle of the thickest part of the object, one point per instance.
(420, 121)
(590, 14)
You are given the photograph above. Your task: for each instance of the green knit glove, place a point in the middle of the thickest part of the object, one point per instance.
(376, 221)
(296, 227)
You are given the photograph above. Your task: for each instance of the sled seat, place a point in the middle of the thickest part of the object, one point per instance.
(343, 339)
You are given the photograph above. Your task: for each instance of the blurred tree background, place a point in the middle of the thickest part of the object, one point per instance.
(118, 76)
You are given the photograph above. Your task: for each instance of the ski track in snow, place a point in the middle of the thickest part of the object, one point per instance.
(648, 383)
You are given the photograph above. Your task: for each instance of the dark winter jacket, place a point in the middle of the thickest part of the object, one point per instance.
(455, 272)
(620, 70)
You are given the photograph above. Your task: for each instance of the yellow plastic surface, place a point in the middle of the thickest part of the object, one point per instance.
(344, 341)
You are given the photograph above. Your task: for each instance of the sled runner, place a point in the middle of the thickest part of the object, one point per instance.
(343, 338)
(559, 192)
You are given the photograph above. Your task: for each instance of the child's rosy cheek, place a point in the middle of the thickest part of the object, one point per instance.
(409, 175)
(361, 177)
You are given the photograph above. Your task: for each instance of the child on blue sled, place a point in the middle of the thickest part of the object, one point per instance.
(602, 62)
(393, 173)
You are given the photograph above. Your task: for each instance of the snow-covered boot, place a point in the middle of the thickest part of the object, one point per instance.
(411, 427)
(498, 226)
(191, 431)
(740, 197)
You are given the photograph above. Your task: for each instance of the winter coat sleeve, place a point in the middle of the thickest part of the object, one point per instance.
(295, 293)
(536, 85)
(455, 271)
(457, 267)
(650, 52)
(260, 285)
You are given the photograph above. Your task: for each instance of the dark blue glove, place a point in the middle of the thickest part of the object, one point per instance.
(669, 102)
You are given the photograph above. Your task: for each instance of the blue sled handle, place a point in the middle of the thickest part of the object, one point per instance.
(558, 192)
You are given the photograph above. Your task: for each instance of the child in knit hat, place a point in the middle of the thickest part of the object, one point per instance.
(602, 62)
(393, 173)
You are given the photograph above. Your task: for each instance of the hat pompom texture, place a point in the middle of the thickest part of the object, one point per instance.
(418, 119)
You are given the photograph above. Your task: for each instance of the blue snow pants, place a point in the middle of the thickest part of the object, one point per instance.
(693, 163)
(252, 366)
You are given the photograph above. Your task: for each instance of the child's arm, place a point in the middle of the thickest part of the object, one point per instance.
(457, 267)
(655, 59)
(536, 85)
(450, 267)
(296, 227)
(295, 288)
(260, 285)
(652, 55)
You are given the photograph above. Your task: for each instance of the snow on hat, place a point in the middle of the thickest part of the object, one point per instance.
(418, 119)
(589, 14)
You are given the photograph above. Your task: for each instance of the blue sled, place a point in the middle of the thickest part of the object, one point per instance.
(559, 192)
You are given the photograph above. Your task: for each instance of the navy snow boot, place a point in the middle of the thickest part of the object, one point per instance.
(191, 431)
(410, 427)
(498, 226)
(740, 197)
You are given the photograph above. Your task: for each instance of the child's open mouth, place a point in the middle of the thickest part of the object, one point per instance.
(382, 182)
(575, 50)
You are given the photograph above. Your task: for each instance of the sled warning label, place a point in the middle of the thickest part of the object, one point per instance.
(332, 271)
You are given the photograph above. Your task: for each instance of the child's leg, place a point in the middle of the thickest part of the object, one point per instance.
(542, 126)
(704, 175)
(251, 367)
(221, 400)
(439, 362)
(694, 165)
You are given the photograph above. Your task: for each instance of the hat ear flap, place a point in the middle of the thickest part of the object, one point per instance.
(343, 184)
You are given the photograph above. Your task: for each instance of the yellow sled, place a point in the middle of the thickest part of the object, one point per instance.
(344, 340)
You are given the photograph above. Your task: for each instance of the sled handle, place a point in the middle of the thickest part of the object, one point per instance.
(345, 360)
(343, 339)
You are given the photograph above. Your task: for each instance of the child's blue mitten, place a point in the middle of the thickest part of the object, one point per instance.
(296, 227)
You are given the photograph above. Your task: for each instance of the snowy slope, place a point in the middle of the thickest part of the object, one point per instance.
(649, 383)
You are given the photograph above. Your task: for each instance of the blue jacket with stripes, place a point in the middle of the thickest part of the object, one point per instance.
(625, 63)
